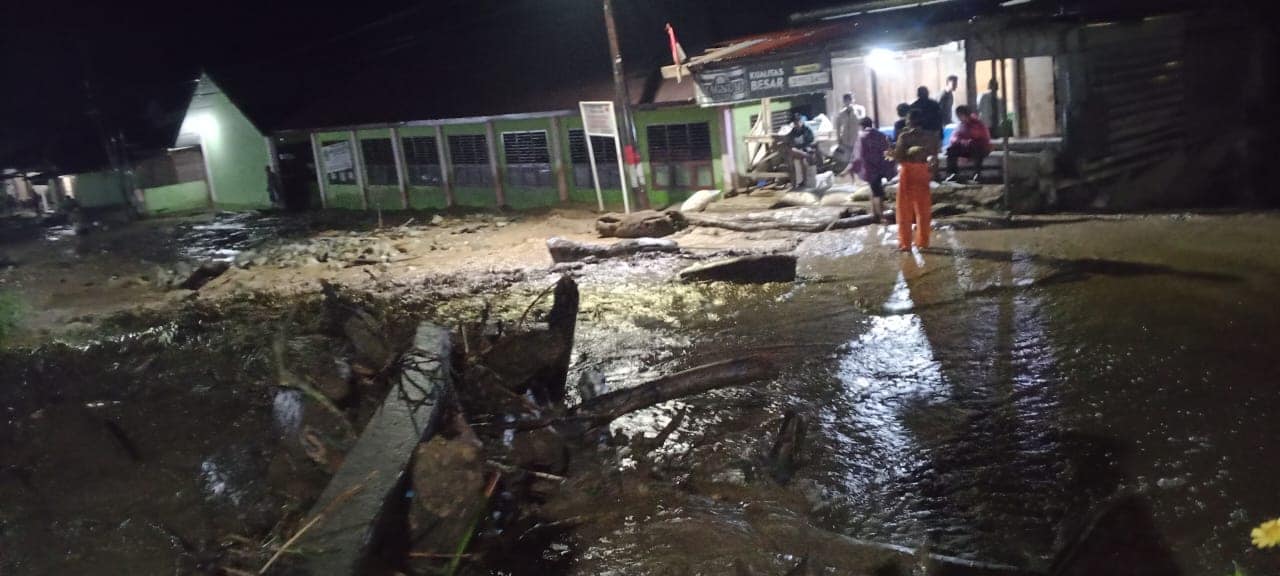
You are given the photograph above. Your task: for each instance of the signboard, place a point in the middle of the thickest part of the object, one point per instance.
(598, 119)
(337, 157)
(788, 76)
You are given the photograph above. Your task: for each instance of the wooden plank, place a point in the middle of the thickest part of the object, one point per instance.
(340, 544)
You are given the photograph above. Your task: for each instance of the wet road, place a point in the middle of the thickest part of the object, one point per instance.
(988, 396)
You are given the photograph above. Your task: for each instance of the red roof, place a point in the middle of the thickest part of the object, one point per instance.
(793, 40)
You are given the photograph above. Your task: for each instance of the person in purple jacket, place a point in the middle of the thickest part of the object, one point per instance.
(873, 166)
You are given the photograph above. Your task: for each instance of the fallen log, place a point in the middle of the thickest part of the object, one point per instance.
(796, 219)
(608, 407)
(563, 250)
(642, 224)
(758, 268)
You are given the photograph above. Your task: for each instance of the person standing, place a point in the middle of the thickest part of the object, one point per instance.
(971, 140)
(900, 125)
(915, 151)
(274, 187)
(874, 165)
(948, 98)
(847, 130)
(930, 114)
(991, 108)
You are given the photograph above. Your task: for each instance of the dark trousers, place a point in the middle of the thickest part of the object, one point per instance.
(957, 151)
(877, 187)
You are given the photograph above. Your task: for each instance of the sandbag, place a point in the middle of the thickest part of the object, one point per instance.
(797, 198)
(699, 201)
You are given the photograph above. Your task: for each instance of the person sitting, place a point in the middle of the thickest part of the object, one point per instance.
(800, 147)
(972, 140)
(873, 166)
(901, 125)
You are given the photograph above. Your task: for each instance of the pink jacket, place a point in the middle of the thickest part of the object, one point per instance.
(972, 132)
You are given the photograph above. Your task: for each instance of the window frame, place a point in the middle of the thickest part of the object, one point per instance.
(430, 174)
(471, 174)
(379, 173)
(528, 174)
(606, 161)
(670, 171)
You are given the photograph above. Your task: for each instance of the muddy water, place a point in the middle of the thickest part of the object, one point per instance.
(984, 398)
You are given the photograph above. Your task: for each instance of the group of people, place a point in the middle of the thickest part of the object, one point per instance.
(912, 154)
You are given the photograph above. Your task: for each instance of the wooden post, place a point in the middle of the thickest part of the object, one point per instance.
(491, 138)
(446, 167)
(557, 160)
(357, 160)
(728, 157)
(1004, 158)
(1020, 95)
(970, 75)
(875, 96)
(402, 177)
(317, 157)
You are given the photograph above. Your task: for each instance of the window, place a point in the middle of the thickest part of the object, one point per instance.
(337, 162)
(422, 160)
(176, 167)
(528, 159)
(680, 156)
(379, 162)
(606, 160)
(470, 154)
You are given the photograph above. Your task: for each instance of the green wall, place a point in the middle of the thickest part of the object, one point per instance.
(524, 196)
(682, 115)
(183, 197)
(381, 196)
(585, 194)
(341, 196)
(425, 197)
(235, 153)
(100, 189)
(479, 197)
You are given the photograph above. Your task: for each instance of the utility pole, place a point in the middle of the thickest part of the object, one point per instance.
(622, 101)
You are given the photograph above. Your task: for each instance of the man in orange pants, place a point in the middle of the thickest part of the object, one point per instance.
(915, 150)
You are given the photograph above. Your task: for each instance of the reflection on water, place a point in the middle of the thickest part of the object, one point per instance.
(985, 402)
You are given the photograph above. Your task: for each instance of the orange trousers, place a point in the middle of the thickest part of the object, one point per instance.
(915, 203)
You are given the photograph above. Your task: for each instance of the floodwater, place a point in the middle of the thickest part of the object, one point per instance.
(984, 398)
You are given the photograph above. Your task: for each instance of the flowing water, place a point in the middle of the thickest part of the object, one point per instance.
(988, 396)
(983, 398)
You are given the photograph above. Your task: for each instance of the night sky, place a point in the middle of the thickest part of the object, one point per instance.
(291, 63)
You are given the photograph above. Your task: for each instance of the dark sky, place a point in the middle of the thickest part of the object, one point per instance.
(292, 62)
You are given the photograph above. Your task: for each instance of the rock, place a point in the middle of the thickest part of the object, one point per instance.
(448, 484)
(366, 336)
(245, 259)
(699, 200)
(316, 359)
(563, 250)
(784, 456)
(437, 220)
(642, 224)
(200, 276)
(542, 450)
(745, 269)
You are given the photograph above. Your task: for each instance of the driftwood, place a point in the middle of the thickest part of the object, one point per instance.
(756, 268)
(563, 250)
(605, 408)
(797, 219)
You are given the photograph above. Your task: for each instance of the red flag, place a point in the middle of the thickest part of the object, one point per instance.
(677, 52)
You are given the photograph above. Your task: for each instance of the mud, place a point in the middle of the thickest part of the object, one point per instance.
(983, 400)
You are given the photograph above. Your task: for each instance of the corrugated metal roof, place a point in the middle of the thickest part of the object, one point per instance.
(779, 42)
